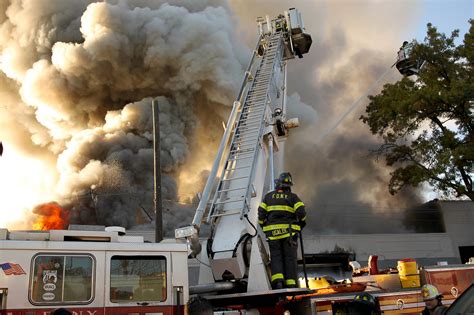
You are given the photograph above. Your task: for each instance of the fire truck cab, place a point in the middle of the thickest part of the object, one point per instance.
(90, 272)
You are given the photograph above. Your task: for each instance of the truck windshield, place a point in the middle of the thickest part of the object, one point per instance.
(62, 279)
(137, 278)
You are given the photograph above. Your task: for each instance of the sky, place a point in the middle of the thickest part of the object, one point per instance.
(48, 132)
(446, 15)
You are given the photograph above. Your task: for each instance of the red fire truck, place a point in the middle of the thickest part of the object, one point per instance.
(90, 273)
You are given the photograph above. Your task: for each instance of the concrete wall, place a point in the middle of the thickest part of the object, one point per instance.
(426, 248)
(459, 221)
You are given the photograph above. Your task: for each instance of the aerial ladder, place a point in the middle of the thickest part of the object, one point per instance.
(250, 151)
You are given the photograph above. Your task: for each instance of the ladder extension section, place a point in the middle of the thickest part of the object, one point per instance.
(233, 192)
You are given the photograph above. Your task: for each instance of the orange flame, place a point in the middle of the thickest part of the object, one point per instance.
(50, 216)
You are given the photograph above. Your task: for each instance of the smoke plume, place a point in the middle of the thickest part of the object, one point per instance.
(78, 77)
(354, 44)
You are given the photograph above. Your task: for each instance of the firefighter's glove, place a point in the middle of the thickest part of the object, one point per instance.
(302, 224)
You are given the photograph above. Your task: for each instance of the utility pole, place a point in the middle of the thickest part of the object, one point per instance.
(157, 200)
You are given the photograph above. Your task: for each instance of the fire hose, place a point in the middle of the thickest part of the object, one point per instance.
(304, 262)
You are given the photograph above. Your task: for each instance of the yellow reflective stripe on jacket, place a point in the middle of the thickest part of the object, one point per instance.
(298, 204)
(280, 208)
(280, 226)
(273, 238)
(260, 222)
(277, 276)
(303, 218)
(263, 205)
(290, 281)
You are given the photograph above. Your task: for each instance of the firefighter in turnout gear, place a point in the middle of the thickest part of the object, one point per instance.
(282, 216)
(432, 299)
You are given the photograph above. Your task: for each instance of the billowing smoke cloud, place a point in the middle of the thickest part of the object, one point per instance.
(78, 76)
(354, 44)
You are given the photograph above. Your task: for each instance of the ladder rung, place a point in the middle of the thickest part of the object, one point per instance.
(249, 124)
(247, 133)
(256, 101)
(235, 178)
(229, 201)
(254, 106)
(257, 98)
(237, 168)
(253, 103)
(259, 88)
(229, 212)
(239, 141)
(260, 85)
(254, 119)
(246, 147)
(262, 78)
(254, 132)
(251, 115)
(247, 128)
(232, 189)
(252, 111)
(237, 152)
(233, 158)
(257, 94)
(247, 139)
(258, 91)
(243, 151)
(245, 142)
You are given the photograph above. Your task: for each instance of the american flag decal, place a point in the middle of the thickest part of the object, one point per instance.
(12, 269)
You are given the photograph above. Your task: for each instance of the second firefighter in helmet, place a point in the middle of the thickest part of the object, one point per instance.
(432, 299)
(282, 215)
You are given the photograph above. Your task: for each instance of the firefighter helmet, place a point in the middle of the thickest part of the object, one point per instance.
(284, 180)
(429, 292)
(277, 112)
(365, 298)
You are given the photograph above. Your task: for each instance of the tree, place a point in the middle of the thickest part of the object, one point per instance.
(427, 123)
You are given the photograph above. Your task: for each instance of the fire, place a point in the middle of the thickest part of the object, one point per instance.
(50, 216)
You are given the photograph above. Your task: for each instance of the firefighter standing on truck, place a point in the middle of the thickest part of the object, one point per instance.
(282, 216)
